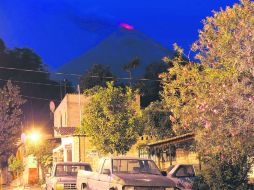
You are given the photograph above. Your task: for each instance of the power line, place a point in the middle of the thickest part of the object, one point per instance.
(45, 72)
(78, 75)
(38, 98)
(126, 78)
(32, 97)
(35, 83)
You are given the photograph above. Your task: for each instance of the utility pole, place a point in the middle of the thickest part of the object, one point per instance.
(79, 101)
(65, 86)
(80, 120)
(60, 90)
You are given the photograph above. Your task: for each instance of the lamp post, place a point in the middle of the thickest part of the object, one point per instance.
(33, 138)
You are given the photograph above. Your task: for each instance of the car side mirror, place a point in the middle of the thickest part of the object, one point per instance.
(106, 171)
(164, 173)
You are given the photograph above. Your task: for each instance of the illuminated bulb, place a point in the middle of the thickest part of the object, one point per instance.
(35, 136)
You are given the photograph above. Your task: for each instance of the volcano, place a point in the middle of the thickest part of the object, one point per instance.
(120, 47)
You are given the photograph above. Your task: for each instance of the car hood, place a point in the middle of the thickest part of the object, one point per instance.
(143, 180)
(67, 179)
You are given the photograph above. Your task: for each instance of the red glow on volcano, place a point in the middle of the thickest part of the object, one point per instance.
(126, 26)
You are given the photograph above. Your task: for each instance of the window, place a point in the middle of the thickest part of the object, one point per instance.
(134, 166)
(61, 124)
(65, 119)
(70, 170)
(185, 171)
(106, 165)
(99, 165)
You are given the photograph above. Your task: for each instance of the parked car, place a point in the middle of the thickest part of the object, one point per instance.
(64, 175)
(183, 175)
(124, 173)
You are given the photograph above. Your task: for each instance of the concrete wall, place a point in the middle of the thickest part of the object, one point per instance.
(74, 109)
(88, 152)
(67, 114)
(59, 113)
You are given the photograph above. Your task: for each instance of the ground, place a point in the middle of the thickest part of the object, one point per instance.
(22, 188)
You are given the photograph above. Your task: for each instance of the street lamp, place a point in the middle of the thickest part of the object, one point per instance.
(34, 137)
(34, 140)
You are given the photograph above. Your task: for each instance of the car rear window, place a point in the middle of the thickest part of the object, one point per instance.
(70, 170)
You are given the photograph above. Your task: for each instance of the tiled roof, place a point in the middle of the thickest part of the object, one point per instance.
(173, 140)
(65, 131)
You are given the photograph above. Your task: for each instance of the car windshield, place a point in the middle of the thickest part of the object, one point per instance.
(70, 170)
(135, 166)
(185, 171)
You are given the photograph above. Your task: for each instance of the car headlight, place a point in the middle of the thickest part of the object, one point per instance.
(128, 188)
(59, 186)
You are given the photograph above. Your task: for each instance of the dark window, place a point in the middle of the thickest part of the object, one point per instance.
(70, 170)
(185, 171)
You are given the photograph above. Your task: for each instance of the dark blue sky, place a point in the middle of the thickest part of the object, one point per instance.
(60, 30)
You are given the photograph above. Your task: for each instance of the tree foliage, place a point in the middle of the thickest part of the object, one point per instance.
(96, 75)
(42, 151)
(156, 121)
(19, 59)
(129, 67)
(215, 98)
(112, 119)
(150, 88)
(10, 120)
(16, 165)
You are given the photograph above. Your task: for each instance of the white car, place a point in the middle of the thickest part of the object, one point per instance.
(124, 173)
(64, 175)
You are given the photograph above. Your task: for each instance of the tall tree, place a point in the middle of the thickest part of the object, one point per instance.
(112, 119)
(215, 98)
(151, 87)
(36, 86)
(10, 120)
(96, 75)
(129, 67)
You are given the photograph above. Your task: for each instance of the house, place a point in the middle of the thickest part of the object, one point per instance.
(68, 116)
(75, 148)
(171, 151)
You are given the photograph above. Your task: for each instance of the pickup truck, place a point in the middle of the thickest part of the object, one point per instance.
(64, 174)
(183, 175)
(124, 173)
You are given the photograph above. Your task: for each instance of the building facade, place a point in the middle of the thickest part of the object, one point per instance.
(67, 117)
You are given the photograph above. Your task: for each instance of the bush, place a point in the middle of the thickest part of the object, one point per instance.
(16, 166)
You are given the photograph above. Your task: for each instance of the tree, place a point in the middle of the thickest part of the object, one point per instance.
(42, 151)
(97, 75)
(129, 67)
(33, 85)
(112, 119)
(150, 88)
(156, 121)
(16, 165)
(10, 120)
(215, 98)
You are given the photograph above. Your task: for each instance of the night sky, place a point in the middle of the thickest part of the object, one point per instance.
(60, 30)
